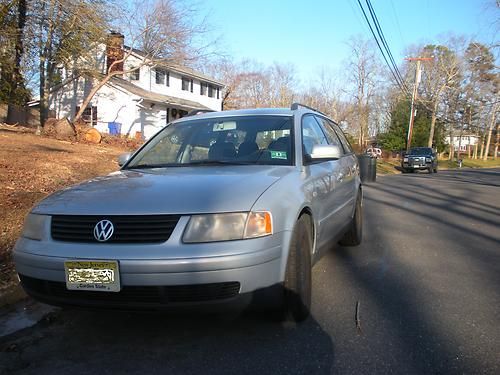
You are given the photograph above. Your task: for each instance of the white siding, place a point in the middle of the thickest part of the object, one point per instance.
(148, 82)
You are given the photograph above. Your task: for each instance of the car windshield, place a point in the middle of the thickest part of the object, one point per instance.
(420, 151)
(220, 141)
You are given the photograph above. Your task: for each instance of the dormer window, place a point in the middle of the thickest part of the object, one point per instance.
(162, 77)
(135, 75)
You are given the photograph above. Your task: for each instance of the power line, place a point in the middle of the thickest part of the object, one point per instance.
(386, 45)
(396, 78)
(397, 22)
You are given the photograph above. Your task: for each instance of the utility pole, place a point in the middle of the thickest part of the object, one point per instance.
(414, 96)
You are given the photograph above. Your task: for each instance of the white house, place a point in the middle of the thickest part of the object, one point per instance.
(468, 141)
(141, 103)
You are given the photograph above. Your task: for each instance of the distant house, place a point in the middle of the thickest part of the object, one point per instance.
(139, 104)
(468, 142)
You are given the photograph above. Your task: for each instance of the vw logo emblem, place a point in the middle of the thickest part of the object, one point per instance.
(103, 230)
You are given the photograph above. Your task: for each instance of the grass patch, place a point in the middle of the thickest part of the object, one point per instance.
(388, 166)
(469, 163)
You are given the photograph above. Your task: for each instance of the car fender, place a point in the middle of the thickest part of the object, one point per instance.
(286, 201)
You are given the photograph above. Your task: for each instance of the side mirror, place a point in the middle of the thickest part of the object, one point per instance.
(123, 158)
(325, 152)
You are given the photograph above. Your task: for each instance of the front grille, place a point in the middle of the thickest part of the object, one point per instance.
(127, 229)
(130, 295)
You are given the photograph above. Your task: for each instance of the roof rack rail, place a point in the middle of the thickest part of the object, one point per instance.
(195, 112)
(296, 106)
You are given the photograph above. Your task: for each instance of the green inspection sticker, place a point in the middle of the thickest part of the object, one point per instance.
(278, 155)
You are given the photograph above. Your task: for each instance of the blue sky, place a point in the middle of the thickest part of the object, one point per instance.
(312, 34)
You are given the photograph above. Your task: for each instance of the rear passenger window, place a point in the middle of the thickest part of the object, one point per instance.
(332, 137)
(343, 139)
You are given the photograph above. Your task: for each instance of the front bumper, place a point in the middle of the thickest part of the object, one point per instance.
(417, 165)
(253, 265)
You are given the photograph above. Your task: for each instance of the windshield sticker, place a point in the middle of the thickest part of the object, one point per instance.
(226, 125)
(278, 155)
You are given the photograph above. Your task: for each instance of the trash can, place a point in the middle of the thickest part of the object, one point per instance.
(367, 168)
(115, 128)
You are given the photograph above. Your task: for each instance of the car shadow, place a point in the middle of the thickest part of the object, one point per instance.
(94, 341)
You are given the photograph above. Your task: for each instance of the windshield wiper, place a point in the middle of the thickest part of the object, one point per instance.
(146, 166)
(216, 162)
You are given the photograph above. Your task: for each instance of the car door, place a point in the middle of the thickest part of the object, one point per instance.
(350, 165)
(341, 199)
(320, 177)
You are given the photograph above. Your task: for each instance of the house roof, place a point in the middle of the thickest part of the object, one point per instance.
(155, 97)
(180, 69)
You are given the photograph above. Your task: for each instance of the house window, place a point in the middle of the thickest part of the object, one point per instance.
(89, 115)
(167, 82)
(160, 76)
(210, 91)
(203, 88)
(187, 84)
(218, 93)
(135, 75)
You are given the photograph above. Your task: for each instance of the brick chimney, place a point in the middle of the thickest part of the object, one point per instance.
(114, 51)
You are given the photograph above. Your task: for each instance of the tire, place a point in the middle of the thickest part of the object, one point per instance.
(436, 169)
(354, 235)
(431, 170)
(298, 284)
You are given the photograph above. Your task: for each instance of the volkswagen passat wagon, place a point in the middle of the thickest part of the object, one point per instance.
(216, 209)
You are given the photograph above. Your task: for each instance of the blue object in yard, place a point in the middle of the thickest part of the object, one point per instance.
(115, 128)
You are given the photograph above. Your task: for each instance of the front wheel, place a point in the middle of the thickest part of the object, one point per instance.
(297, 285)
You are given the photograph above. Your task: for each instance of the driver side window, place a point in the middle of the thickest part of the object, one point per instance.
(311, 134)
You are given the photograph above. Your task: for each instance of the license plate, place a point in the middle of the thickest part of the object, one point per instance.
(94, 275)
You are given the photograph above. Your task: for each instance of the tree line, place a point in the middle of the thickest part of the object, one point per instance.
(458, 91)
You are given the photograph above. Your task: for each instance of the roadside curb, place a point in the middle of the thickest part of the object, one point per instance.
(22, 315)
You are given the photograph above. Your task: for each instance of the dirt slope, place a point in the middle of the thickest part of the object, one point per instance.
(32, 167)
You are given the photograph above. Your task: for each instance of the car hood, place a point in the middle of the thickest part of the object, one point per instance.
(178, 190)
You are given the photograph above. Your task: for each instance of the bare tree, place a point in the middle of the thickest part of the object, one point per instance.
(165, 34)
(362, 70)
(439, 75)
(61, 31)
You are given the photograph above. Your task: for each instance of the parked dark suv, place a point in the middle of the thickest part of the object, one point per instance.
(419, 158)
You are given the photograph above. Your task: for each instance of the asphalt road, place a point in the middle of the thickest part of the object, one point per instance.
(427, 279)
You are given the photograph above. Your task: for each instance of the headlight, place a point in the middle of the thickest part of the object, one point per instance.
(428, 160)
(34, 226)
(228, 226)
(405, 159)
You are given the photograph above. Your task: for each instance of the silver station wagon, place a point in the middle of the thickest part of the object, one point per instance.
(218, 209)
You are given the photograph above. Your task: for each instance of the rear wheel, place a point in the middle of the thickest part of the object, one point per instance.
(354, 235)
(297, 285)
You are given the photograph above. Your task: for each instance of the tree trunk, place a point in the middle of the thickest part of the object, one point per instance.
(433, 124)
(15, 97)
(43, 109)
(91, 94)
(497, 142)
(490, 130)
(482, 147)
(452, 144)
